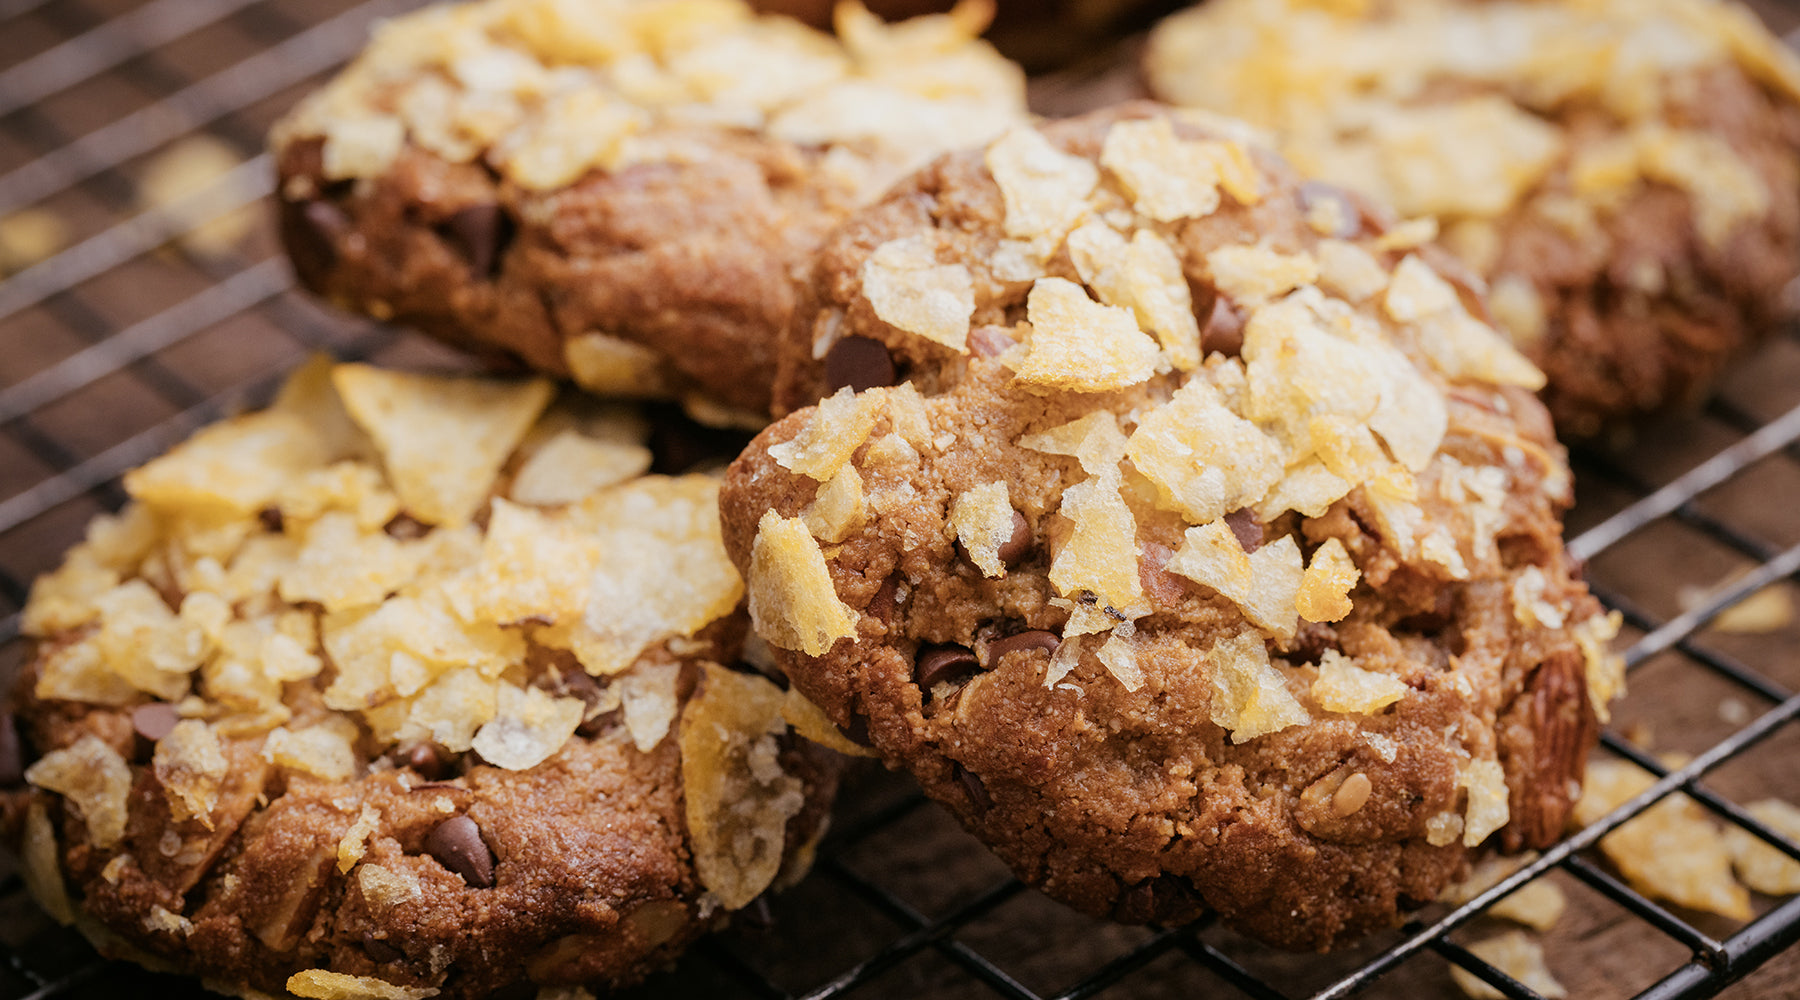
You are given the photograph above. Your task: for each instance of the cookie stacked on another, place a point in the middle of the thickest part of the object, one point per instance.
(406, 686)
(617, 190)
(1624, 174)
(1210, 555)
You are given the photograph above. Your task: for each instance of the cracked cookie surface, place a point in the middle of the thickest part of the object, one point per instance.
(406, 685)
(1207, 555)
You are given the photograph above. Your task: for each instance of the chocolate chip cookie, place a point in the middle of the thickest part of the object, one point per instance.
(1181, 528)
(1625, 175)
(617, 191)
(405, 686)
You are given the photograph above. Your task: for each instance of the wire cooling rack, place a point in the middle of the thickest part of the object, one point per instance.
(121, 343)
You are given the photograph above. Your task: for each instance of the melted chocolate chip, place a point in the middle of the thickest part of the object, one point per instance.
(481, 233)
(1223, 332)
(313, 231)
(154, 720)
(938, 663)
(458, 846)
(1246, 527)
(1019, 543)
(991, 341)
(1035, 639)
(1347, 212)
(12, 753)
(972, 784)
(426, 759)
(380, 951)
(271, 519)
(858, 362)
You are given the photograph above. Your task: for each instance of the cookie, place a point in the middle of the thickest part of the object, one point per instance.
(406, 686)
(1624, 175)
(616, 192)
(1202, 562)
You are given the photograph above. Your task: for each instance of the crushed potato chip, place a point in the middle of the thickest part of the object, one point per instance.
(1079, 345)
(571, 466)
(793, 602)
(1171, 178)
(442, 439)
(612, 366)
(1761, 865)
(230, 469)
(534, 565)
(1342, 686)
(739, 800)
(1487, 808)
(326, 750)
(1255, 273)
(983, 521)
(809, 720)
(354, 843)
(92, 777)
(1537, 904)
(1205, 460)
(1263, 584)
(187, 169)
(530, 724)
(40, 865)
(1672, 850)
(840, 424)
(341, 566)
(1100, 555)
(1516, 955)
(190, 765)
(837, 509)
(1093, 440)
(911, 291)
(1119, 655)
(1250, 698)
(1325, 586)
(1146, 277)
(648, 696)
(1044, 189)
(384, 888)
(321, 984)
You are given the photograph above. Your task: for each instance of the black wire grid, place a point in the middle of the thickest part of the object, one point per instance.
(119, 345)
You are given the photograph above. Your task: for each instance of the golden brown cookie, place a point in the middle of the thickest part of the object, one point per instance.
(405, 686)
(1625, 174)
(617, 191)
(1209, 557)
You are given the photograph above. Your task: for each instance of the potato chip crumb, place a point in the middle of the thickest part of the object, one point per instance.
(1146, 277)
(1094, 441)
(840, 424)
(190, 765)
(1348, 270)
(739, 800)
(1342, 686)
(809, 720)
(384, 888)
(647, 695)
(529, 726)
(1252, 274)
(612, 366)
(1537, 904)
(1100, 556)
(1518, 956)
(911, 291)
(361, 147)
(320, 984)
(1263, 584)
(1205, 460)
(1604, 669)
(1672, 850)
(324, 751)
(1761, 865)
(1487, 809)
(1079, 345)
(793, 602)
(233, 468)
(186, 169)
(1250, 698)
(572, 466)
(1325, 587)
(40, 866)
(355, 841)
(1770, 609)
(92, 777)
(1167, 177)
(28, 236)
(161, 919)
(983, 521)
(1044, 189)
(837, 509)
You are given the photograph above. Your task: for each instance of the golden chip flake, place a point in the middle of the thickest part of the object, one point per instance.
(529, 726)
(354, 843)
(1170, 178)
(448, 711)
(1100, 555)
(739, 800)
(76, 672)
(837, 509)
(1537, 904)
(648, 698)
(361, 147)
(1205, 460)
(1673, 850)
(809, 720)
(190, 765)
(1119, 655)
(662, 570)
(1079, 345)
(1761, 865)
(1251, 274)
(1045, 190)
(613, 366)
(1604, 669)
(1263, 584)
(189, 169)
(1325, 586)
(577, 132)
(1518, 956)
(442, 439)
(421, 635)
(534, 565)
(321, 984)
(326, 750)
(40, 868)
(983, 521)
(1144, 276)
(793, 603)
(911, 291)
(1348, 270)
(141, 640)
(1094, 441)
(309, 395)
(233, 469)
(1487, 808)
(95, 779)
(571, 466)
(341, 566)
(840, 424)
(1250, 698)
(384, 888)
(1342, 686)
(1459, 345)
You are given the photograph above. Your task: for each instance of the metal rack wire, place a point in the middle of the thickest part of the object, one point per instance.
(117, 346)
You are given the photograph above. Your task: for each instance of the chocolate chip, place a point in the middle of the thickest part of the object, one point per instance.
(430, 762)
(1246, 527)
(458, 846)
(991, 341)
(886, 600)
(154, 720)
(12, 753)
(1223, 332)
(481, 233)
(972, 784)
(1015, 547)
(1035, 639)
(405, 528)
(380, 951)
(271, 520)
(857, 731)
(677, 443)
(938, 663)
(858, 362)
(1348, 213)
(313, 229)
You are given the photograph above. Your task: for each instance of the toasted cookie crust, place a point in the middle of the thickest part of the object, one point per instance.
(1624, 175)
(299, 713)
(1115, 586)
(617, 192)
